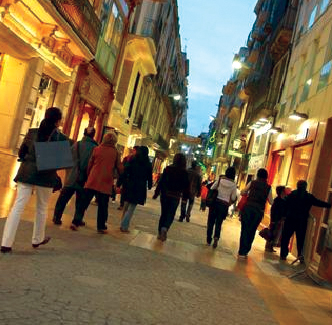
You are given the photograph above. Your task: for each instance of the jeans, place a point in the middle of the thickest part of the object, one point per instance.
(300, 229)
(168, 210)
(102, 214)
(129, 209)
(185, 212)
(250, 220)
(64, 197)
(217, 214)
(24, 192)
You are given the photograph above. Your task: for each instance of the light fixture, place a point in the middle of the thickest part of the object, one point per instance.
(237, 65)
(298, 116)
(263, 119)
(176, 97)
(275, 129)
(181, 130)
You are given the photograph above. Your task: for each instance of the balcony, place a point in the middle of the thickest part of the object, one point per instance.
(229, 88)
(252, 83)
(81, 16)
(282, 35)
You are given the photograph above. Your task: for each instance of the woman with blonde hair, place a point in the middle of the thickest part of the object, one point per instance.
(105, 158)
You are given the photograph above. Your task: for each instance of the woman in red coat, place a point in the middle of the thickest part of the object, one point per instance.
(104, 159)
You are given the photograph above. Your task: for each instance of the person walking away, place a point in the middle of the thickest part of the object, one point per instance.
(121, 179)
(258, 192)
(204, 193)
(77, 176)
(195, 181)
(138, 174)
(298, 205)
(105, 158)
(173, 183)
(28, 178)
(218, 211)
(278, 214)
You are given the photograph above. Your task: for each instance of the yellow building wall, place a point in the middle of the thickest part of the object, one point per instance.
(11, 83)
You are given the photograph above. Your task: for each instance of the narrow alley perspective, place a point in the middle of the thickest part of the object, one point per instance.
(85, 278)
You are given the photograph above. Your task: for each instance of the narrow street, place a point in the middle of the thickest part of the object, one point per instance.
(87, 278)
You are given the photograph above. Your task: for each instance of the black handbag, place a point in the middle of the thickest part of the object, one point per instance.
(212, 196)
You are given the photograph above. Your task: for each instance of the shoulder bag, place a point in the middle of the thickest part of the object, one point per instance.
(212, 196)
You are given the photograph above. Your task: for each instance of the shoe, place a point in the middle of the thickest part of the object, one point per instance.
(282, 258)
(301, 259)
(208, 241)
(159, 237)
(5, 249)
(120, 208)
(81, 224)
(181, 219)
(73, 227)
(102, 231)
(57, 221)
(215, 243)
(44, 242)
(163, 234)
(124, 230)
(242, 257)
(188, 218)
(270, 250)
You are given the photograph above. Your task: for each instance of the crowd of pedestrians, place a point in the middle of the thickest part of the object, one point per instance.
(96, 167)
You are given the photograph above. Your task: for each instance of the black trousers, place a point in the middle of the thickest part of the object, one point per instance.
(65, 195)
(169, 206)
(217, 214)
(250, 220)
(102, 214)
(186, 207)
(299, 226)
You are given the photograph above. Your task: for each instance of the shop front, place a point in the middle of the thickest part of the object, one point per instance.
(90, 103)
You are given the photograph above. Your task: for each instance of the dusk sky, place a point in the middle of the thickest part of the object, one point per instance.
(212, 31)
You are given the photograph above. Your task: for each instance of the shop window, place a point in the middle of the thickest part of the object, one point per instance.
(324, 75)
(300, 165)
(312, 17)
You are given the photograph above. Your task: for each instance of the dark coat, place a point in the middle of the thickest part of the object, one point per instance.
(195, 182)
(105, 158)
(174, 182)
(28, 172)
(137, 177)
(85, 148)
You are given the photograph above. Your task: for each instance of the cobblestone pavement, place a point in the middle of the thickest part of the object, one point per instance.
(86, 278)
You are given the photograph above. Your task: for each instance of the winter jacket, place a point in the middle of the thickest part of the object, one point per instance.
(195, 181)
(28, 172)
(278, 209)
(298, 205)
(137, 176)
(259, 193)
(82, 151)
(104, 159)
(227, 190)
(174, 182)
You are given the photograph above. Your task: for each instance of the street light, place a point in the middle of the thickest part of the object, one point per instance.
(296, 116)
(176, 97)
(237, 65)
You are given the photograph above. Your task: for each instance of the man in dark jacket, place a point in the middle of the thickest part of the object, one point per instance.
(298, 205)
(77, 176)
(195, 183)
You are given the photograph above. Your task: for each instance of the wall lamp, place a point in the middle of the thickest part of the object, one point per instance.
(296, 116)
(176, 97)
(275, 129)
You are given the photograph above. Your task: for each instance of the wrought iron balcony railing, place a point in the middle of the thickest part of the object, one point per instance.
(82, 18)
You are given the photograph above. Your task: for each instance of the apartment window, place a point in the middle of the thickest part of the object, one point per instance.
(134, 95)
(324, 75)
(114, 29)
(306, 89)
(323, 6)
(312, 17)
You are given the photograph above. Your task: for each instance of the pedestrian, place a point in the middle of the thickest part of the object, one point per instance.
(121, 179)
(28, 178)
(298, 205)
(105, 158)
(218, 211)
(77, 176)
(173, 183)
(258, 192)
(277, 214)
(195, 182)
(204, 193)
(138, 174)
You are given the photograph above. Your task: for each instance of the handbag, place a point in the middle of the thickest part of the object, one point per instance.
(53, 155)
(242, 203)
(266, 234)
(212, 196)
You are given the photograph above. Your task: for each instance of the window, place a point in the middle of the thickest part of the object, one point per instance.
(312, 17)
(324, 75)
(323, 6)
(114, 29)
(306, 89)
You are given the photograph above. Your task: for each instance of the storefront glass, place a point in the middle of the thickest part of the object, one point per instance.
(44, 100)
(300, 165)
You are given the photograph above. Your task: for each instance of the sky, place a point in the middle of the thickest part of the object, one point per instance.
(212, 31)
